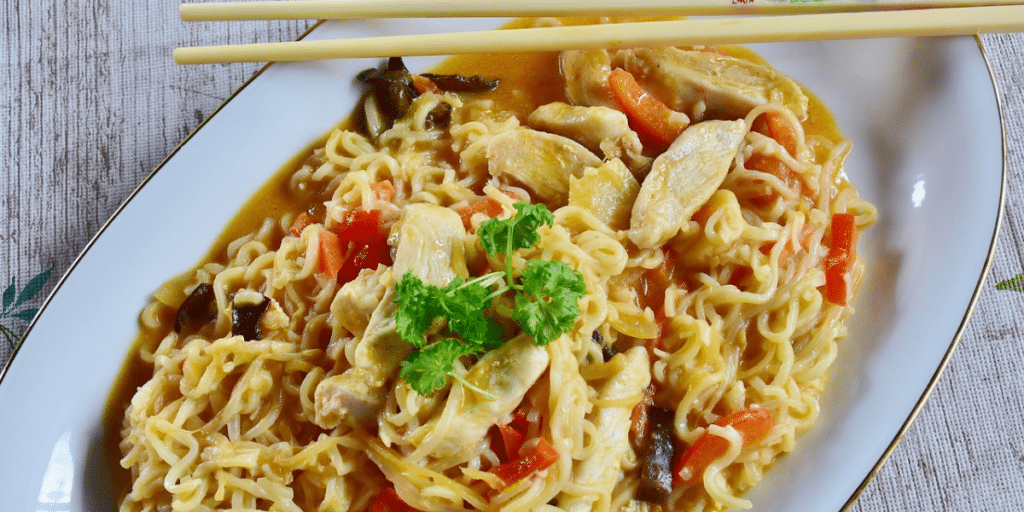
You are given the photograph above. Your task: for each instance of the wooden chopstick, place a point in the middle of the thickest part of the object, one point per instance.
(354, 9)
(757, 29)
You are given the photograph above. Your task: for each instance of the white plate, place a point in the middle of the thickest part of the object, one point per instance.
(928, 151)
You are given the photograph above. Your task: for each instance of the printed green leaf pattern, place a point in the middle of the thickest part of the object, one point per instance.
(1014, 283)
(14, 300)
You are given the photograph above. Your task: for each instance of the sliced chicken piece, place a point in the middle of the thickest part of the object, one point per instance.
(607, 192)
(708, 85)
(542, 162)
(506, 372)
(601, 470)
(432, 245)
(682, 179)
(357, 299)
(586, 77)
(601, 129)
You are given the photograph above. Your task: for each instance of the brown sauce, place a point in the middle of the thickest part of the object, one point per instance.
(528, 81)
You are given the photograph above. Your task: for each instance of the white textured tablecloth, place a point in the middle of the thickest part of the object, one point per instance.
(92, 103)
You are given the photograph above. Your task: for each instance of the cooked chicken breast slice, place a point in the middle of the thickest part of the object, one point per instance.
(708, 85)
(357, 299)
(506, 372)
(431, 245)
(602, 130)
(612, 423)
(607, 192)
(586, 77)
(540, 161)
(682, 179)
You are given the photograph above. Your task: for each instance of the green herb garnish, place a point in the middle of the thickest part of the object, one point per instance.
(426, 370)
(546, 303)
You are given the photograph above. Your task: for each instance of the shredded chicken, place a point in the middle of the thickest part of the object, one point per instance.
(601, 470)
(709, 85)
(542, 162)
(586, 77)
(357, 299)
(506, 372)
(682, 179)
(601, 129)
(432, 245)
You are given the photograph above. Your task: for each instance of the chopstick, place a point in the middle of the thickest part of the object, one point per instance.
(354, 9)
(758, 29)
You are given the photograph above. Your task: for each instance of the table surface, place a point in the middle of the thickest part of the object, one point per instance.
(92, 103)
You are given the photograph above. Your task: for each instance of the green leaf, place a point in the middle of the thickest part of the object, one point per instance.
(1015, 283)
(33, 287)
(549, 304)
(9, 294)
(427, 370)
(417, 309)
(464, 305)
(518, 232)
(26, 315)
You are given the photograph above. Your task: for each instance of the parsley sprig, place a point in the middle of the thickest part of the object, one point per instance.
(546, 299)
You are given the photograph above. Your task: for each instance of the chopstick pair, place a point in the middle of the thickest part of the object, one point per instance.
(845, 19)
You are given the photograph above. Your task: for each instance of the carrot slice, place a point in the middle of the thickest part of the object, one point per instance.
(840, 258)
(331, 257)
(752, 424)
(487, 205)
(648, 114)
(776, 126)
(300, 223)
(384, 190)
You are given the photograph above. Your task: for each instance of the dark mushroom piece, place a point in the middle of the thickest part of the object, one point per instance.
(659, 450)
(247, 309)
(200, 307)
(459, 83)
(393, 92)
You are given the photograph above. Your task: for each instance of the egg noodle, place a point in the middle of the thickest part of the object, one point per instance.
(739, 320)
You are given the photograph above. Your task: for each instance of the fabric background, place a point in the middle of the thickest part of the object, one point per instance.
(92, 102)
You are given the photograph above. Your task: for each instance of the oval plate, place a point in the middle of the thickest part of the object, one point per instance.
(928, 151)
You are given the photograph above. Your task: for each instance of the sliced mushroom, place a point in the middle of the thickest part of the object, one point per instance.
(200, 307)
(247, 308)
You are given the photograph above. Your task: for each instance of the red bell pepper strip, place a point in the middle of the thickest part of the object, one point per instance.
(387, 500)
(752, 424)
(538, 458)
(512, 440)
(648, 115)
(365, 242)
(840, 258)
